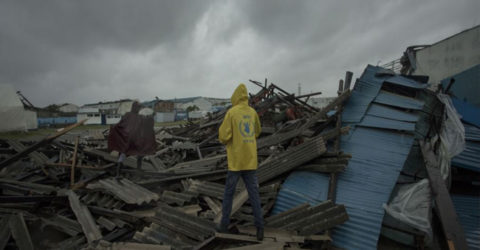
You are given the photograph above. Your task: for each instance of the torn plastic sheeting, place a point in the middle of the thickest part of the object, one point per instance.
(412, 205)
(452, 135)
(453, 132)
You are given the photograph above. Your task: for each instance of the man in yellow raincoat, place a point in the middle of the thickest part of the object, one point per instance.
(239, 130)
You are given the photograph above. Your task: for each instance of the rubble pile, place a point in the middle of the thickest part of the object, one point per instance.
(60, 192)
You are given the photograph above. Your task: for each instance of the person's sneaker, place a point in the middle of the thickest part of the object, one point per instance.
(260, 234)
(221, 229)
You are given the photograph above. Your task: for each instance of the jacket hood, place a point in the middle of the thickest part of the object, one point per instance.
(135, 107)
(239, 95)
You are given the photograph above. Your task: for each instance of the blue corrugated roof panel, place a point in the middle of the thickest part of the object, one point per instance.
(356, 107)
(469, 112)
(469, 158)
(407, 82)
(468, 212)
(379, 143)
(466, 86)
(377, 158)
(395, 100)
(301, 187)
(380, 122)
(366, 88)
(392, 113)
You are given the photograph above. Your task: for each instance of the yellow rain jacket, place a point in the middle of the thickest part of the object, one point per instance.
(239, 131)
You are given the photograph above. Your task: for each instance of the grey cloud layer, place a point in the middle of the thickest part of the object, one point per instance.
(87, 51)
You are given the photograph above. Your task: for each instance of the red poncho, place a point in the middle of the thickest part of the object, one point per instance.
(133, 134)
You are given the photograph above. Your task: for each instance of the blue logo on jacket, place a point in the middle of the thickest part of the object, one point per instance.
(246, 128)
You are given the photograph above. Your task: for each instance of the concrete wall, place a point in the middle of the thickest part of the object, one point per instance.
(113, 119)
(450, 56)
(13, 117)
(56, 121)
(69, 108)
(202, 103)
(31, 119)
(164, 116)
(92, 118)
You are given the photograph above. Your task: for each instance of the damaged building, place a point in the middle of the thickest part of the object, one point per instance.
(389, 163)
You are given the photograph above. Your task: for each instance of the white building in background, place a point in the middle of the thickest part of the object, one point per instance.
(104, 112)
(68, 108)
(92, 114)
(124, 107)
(447, 57)
(320, 102)
(200, 102)
(13, 115)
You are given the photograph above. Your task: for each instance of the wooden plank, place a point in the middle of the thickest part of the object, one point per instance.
(138, 246)
(157, 163)
(20, 232)
(262, 246)
(268, 231)
(238, 201)
(288, 160)
(74, 162)
(84, 217)
(301, 207)
(5, 232)
(444, 205)
(39, 144)
(191, 209)
(216, 208)
(322, 113)
(236, 237)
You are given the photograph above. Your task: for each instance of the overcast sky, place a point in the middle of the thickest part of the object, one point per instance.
(88, 50)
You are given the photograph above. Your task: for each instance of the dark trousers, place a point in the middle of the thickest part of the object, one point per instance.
(251, 183)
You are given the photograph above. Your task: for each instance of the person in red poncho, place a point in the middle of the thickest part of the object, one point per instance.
(132, 135)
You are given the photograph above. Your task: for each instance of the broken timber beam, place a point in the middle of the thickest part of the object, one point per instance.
(84, 217)
(39, 144)
(74, 162)
(444, 205)
(20, 232)
(281, 164)
(323, 112)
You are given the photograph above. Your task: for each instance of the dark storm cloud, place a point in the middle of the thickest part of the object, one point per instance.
(88, 51)
(39, 39)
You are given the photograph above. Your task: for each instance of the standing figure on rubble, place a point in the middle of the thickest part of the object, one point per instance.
(132, 135)
(239, 130)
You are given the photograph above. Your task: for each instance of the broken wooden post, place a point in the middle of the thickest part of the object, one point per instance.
(444, 205)
(333, 176)
(74, 160)
(348, 80)
(39, 144)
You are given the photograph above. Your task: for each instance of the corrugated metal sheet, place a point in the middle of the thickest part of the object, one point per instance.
(470, 157)
(377, 158)
(468, 211)
(469, 112)
(125, 190)
(367, 88)
(45, 121)
(407, 82)
(301, 187)
(467, 85)
(395, 100)
(379, 122)
(392, 113)
(379, 142)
